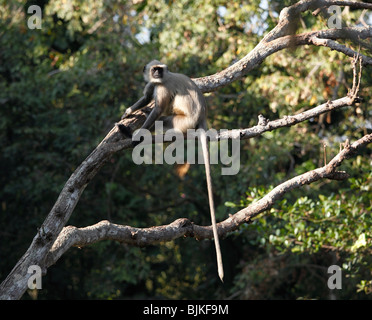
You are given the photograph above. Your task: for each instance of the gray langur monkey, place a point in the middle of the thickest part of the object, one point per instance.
(180, 104)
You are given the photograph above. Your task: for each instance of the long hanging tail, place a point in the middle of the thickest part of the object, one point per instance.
(204, 143)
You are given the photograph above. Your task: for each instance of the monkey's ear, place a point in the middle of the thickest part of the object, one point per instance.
(144, 68)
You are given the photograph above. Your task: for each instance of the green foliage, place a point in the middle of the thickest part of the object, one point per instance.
(63, 87)
(332, 227)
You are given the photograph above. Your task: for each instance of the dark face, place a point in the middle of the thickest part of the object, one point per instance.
(157, 72)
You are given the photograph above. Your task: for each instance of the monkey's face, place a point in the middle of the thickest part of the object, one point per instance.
(157, 72)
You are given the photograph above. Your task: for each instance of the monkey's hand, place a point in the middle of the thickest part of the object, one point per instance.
(127, 113)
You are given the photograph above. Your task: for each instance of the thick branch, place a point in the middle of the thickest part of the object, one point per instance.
(16, 282)
(265, 49)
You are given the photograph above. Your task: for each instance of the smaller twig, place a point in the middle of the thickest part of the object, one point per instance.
(353, 93)
(316, 12)
(317, 40)
(354, 66)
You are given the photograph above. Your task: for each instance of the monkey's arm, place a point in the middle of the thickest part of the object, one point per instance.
(154, 115)
(162, 101)
(148, 94)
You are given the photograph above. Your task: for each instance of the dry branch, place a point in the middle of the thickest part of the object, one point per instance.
(105, 230)
(264, 49)
(263, 123)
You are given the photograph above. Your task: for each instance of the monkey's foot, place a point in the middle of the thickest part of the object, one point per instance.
(124, 130)
(135, 143)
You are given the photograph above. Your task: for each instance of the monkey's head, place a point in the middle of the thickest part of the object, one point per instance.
(155, 72)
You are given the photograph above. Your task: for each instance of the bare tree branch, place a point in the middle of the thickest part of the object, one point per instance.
(105, 230)
(262, 126)
(265, 49)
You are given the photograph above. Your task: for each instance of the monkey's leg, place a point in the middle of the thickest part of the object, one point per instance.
(155, 113)
(153, 116)
(138, 105)
(149, 123)
(170, 123)
(145, 100)
(204, 143)
(179, 122)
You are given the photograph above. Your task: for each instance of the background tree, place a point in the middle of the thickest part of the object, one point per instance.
(64, 86)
